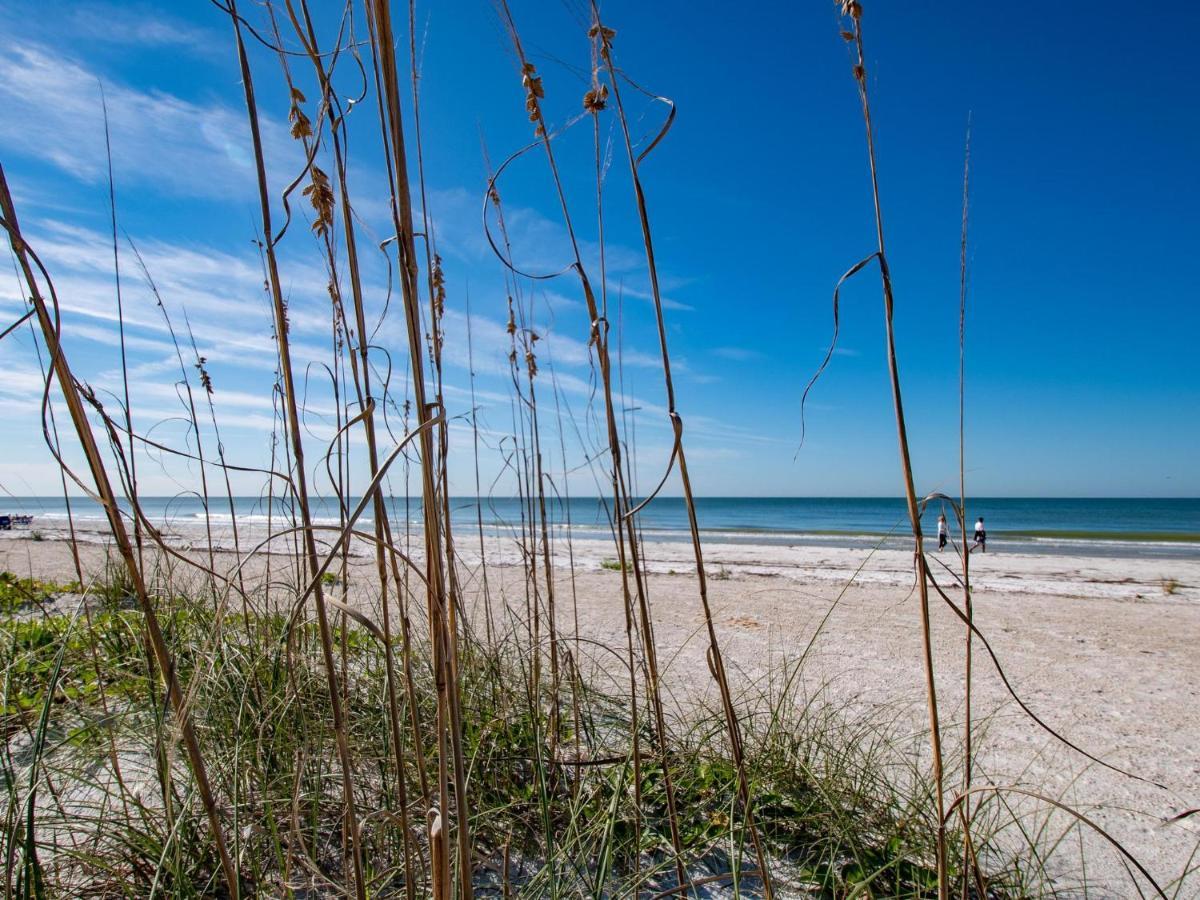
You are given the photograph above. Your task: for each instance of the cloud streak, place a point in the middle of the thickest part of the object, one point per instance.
(737, 354)
(175, 146)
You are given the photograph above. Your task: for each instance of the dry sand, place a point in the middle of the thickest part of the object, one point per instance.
(1105, 650)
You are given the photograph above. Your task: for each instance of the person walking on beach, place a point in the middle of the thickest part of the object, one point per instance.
(942, 531)
(980, 535)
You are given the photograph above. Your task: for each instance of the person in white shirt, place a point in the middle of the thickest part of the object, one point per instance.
(980, 535)
(942, 531)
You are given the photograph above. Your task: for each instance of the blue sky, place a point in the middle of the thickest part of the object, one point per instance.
(1083, 323)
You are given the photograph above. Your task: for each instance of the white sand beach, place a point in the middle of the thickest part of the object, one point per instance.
(1104, 650)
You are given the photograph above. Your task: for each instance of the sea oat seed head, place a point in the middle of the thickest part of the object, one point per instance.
(439, 286)
(596, 99)
(301, 126)
(320, 195)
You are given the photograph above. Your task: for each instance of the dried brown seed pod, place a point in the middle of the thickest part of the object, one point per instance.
(320, 195)
(301, 126)
(596, 99)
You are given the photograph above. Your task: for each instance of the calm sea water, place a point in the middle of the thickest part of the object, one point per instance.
(1106, 527)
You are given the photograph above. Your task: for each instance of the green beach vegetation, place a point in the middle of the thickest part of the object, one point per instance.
(116, 814)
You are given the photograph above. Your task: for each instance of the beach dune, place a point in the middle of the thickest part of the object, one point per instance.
(1103, 650)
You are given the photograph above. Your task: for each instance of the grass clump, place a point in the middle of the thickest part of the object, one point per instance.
(122, 815)
(17, 593)
(32, 646)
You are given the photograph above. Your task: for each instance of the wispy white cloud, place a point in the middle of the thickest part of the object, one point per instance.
(737, 354)
(160, 140)
(540, 245)
(492, 343)
(139, 25)
(618, 287)
(222, 294)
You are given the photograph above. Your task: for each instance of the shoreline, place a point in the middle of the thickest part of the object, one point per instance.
(1126, 578)
(1159, 548)
(1130, 528)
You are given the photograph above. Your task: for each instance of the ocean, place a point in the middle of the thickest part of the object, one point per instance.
(1124, 527)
